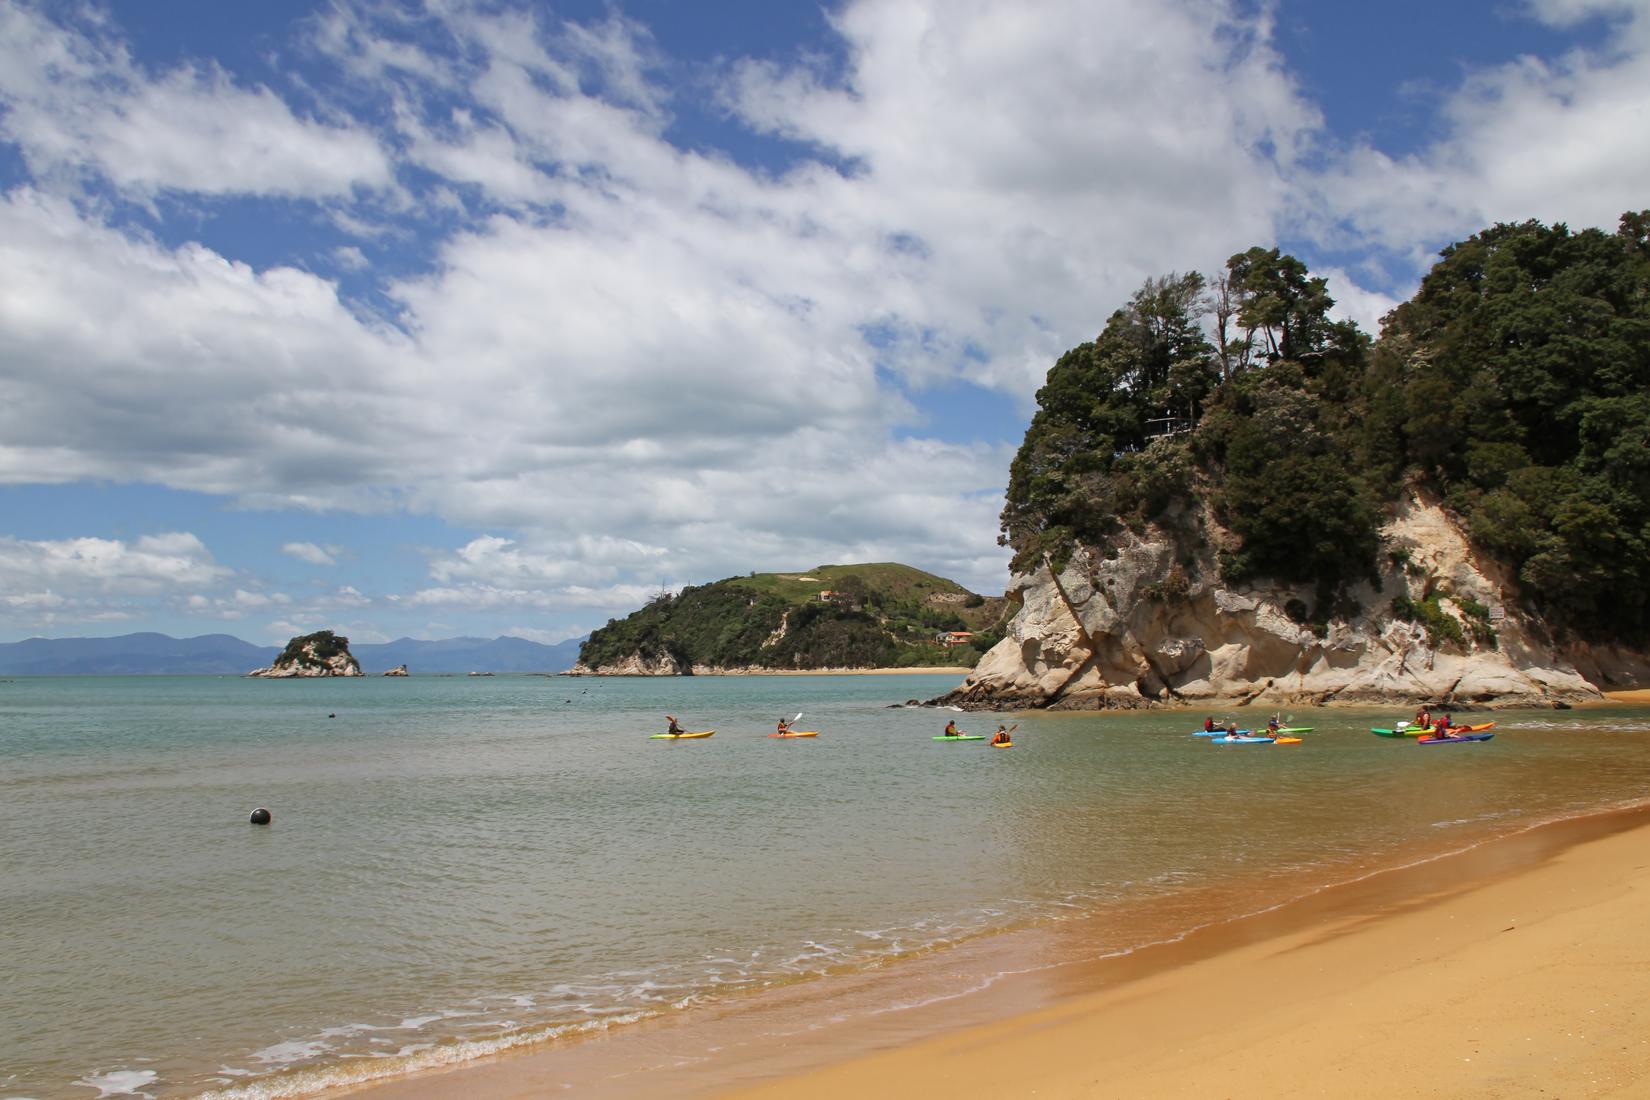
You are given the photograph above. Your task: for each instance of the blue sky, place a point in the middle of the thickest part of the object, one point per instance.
(482, 318)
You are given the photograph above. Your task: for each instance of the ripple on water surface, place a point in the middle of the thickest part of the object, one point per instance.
(458, 867)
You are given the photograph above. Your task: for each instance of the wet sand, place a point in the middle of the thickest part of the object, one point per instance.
(1532, 982)
(1520, 967)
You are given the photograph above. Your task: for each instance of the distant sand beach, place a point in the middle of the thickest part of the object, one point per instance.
(937, 670)
(926, 670)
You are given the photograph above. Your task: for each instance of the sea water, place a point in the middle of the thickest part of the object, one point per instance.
(461, 865)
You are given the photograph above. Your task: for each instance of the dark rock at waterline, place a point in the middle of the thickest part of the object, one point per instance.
(260, 816)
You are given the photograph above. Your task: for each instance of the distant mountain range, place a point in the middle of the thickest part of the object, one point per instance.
(158, 654)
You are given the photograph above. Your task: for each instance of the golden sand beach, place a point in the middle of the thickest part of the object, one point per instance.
(1519, 968)
(1532, 982)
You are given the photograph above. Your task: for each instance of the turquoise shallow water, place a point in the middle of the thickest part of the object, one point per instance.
(461, 864)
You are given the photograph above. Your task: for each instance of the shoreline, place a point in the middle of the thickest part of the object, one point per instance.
(1349, 975)
(1624, 697)
(1520, 980)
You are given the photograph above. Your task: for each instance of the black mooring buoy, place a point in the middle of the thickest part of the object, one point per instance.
(260, 816)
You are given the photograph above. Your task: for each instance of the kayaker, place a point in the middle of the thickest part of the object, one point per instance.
(951, 729)
(1209, 725)
(1272, 726)
(1449, 724)
(1001, 737)
(784, 727)
(1423, 718)
(674, 727)
(1231, 729)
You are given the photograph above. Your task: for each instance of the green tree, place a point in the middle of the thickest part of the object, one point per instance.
(1150, 370)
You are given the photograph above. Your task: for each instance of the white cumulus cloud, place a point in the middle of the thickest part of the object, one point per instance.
(76, 101)
(634, 363)
(310, 552)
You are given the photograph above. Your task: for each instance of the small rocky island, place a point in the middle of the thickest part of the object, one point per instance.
(308, 655)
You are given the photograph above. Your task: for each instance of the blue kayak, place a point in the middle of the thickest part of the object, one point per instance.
(1454, 739)
(1241, 740)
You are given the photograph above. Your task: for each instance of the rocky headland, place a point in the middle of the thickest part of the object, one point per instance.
(1138, 628)
(1232, 496)
(833, 618)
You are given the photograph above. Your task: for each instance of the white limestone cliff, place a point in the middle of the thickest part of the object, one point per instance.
(633, 665)
(1153, 624)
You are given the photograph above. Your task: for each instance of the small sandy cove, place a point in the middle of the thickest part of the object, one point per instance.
(1532, 982)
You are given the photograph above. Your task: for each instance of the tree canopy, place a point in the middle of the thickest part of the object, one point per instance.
(1516, 382)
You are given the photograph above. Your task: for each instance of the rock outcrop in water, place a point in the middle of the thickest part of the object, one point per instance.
(1141, 628)
(312, 655)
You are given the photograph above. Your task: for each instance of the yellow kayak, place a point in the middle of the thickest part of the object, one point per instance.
(682, 736)
(796, 733)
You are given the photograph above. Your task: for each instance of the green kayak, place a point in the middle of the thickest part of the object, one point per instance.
(961, 737)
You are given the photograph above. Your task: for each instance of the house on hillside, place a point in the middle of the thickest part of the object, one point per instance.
(954, 637)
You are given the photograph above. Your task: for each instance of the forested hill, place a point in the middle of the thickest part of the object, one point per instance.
(881, 615)
(1514, 387)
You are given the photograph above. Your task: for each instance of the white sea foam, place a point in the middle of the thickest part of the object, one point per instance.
(296, 1050)
(413, 1023)
(121, 1082)
(304, 1083)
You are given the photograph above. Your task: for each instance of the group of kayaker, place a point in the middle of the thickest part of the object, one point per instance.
(675, 728)
(1440, 727)
(1273, 725)
(1003, 736)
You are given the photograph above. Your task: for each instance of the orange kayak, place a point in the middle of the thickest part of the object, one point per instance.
(796, 733)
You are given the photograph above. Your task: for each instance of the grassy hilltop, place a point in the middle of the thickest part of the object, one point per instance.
(877, 615)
